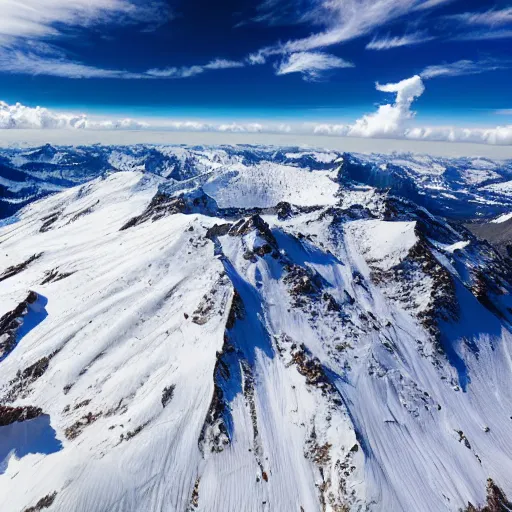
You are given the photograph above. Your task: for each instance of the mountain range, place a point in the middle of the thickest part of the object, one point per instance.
(252, 328)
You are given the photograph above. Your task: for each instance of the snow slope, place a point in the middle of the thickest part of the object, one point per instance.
(262, 337)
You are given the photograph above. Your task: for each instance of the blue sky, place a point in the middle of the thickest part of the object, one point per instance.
(292, 60)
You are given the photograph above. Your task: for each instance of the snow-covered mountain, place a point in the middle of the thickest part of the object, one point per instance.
(254, 329)
(458, 188)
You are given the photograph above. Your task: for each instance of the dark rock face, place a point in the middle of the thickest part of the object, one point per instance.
(20, 385)
(164, 204)
(48, 222)
(45, 502)
(498, 235)
(54, 275)
(306, 285)
(254, 223)
(74, 430)
(9, 415)
(16, 269)
(237, 311)
(11, 322)
(160, 206)
(218, 230)
(167, 394)
(284, 210)
(214, 434)
(496, 500)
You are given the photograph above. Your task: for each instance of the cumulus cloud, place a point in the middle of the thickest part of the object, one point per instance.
(390, 120)
(311, 64)
(394, 121)
(463, 67)
(21, 116)
(388, 42)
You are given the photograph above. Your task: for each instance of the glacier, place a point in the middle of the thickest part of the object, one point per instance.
(250, 328)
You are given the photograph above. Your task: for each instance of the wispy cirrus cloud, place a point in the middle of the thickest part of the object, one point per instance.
(483, 25)
(188, 71)
(388, 42)
(46, 60)
(484, 35)
(30, 62)
(312, 65)
(344, 20)
(30, 31)
(463, 67)
(489, 18)
(35, 19)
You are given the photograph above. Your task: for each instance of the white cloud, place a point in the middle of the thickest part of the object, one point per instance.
(30, 29)
(46, 61)
(483, 35)
(486, 25)
(188, 71)
(490, 18)
(342, 20)
(462, 67)
(348, 19)
(394, 121)
(501, 135)
(311, 64)
(36, 19)
(30, 63)
(21, 116)
(390, 120)
(388, 42)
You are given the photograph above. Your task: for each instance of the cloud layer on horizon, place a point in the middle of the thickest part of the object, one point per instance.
(392, 120)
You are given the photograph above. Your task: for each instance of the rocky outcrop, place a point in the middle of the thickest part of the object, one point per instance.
(11, 322)
(20, 267)
(164, 204)
(19, 387)
(45, 502)
(496, 500)
(9, 415)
